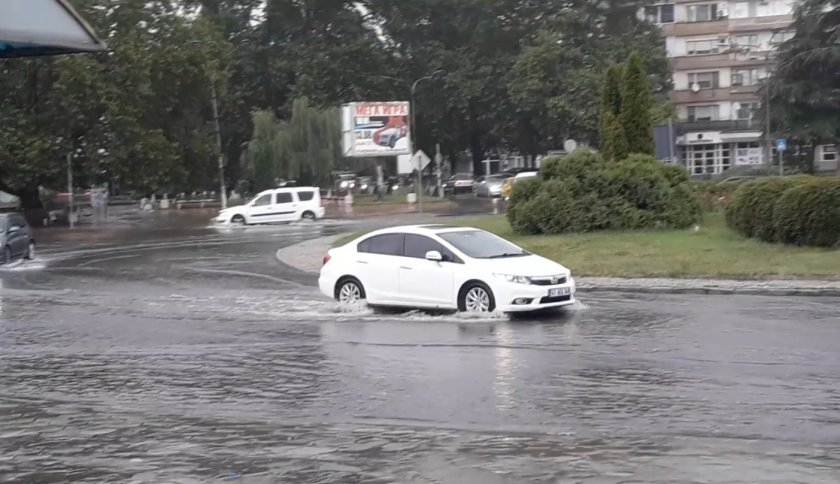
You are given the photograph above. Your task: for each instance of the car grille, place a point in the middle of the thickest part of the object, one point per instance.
(546, 281)
(555, 299)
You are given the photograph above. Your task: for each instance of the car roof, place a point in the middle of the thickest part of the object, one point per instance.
(427, 229)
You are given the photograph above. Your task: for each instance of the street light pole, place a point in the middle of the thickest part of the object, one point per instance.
(768, 143)
(221, 159)
(414, 132)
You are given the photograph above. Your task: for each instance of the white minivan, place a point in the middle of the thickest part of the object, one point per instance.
(277, 205)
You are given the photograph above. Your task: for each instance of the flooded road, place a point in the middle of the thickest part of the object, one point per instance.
(192, 355)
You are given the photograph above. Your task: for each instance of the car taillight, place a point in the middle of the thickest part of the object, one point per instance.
(326, 259)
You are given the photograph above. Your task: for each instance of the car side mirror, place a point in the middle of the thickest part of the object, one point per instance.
(434, 255)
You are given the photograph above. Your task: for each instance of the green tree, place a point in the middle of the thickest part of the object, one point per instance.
(264, 150)
(636, 107)
(614, 144)
(309, 143)
(610, 97)
(805, 89)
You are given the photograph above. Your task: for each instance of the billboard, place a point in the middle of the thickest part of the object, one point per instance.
(376, 129)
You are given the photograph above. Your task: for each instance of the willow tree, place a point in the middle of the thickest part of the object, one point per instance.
(309, 143)
(264, 150)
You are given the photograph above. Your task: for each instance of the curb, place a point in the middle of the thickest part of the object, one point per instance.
(306, 257)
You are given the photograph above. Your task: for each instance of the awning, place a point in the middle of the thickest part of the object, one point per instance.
(44, 27)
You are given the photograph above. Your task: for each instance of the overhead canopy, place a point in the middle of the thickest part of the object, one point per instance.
(43, 27)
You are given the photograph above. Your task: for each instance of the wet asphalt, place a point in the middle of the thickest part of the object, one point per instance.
(175, 352)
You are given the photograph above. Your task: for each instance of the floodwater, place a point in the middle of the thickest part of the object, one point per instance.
(192, 355)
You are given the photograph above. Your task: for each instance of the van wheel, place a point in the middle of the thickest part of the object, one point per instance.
(307, 216)
(238, 220)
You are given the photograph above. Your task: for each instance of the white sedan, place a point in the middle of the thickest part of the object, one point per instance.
(444, 267)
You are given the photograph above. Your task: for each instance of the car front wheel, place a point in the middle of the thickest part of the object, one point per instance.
(476, 297)
(30, 251)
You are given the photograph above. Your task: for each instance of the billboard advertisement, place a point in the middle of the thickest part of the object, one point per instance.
(376, 129)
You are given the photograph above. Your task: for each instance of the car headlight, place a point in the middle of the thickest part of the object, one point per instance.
(514, 279)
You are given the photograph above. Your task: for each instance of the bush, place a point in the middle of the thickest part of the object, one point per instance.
(751, 211)
(809, 214)
(581, 192)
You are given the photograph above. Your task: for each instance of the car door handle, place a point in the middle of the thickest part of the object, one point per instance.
(406, 268)
(361, 262)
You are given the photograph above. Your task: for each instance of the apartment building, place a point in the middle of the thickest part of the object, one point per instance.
(720, 53)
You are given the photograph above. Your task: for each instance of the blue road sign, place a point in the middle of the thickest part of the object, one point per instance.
(781, 144)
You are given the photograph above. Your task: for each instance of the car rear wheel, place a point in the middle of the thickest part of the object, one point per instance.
(307, 216)
(30, 251)
(349, 291)
(476, 297)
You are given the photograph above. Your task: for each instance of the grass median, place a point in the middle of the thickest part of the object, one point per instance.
(712, 251)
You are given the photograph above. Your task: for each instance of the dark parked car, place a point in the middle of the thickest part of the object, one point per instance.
(458, 183)
(17, 238)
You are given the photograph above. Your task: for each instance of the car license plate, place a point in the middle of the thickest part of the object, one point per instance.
(560, 291)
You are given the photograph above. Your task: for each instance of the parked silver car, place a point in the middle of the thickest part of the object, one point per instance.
(16, 237)
(489, 186)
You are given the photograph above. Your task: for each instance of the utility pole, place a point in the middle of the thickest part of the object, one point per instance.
(70, 189)
(215, 101)
(438, 161)
(419, 190)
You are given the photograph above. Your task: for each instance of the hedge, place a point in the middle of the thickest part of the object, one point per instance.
(750, 212)
(809, 213)
(582, 192)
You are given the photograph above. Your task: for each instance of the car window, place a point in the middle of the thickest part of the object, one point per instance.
(417, 245)
(306, 196)
(263, 200)
(284, 197)
(17, 221)
(385, 244)
(481, 245)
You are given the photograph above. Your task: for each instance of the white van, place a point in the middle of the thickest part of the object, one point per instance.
(277, 205)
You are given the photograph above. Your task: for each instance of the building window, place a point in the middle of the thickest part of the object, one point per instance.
(749, 40)
(707, 159)
(829, 153)
(702, 13)
(704, 113)
(710, 46)
(748, 153)
(703, 80)
(746, 110)
(781, 37)
(660, 14)
(745, 77)
(741, 10)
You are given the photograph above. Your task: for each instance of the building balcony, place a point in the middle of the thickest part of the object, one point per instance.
(758, 24)
(727, 26)
(685, 29)
(683, 127)
(734, 93)
(718, 60)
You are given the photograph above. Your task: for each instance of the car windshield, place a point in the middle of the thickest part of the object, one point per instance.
(479, 244)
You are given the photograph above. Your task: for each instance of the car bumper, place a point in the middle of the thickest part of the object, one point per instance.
(518, 298)
(326, 285)
(320, 212)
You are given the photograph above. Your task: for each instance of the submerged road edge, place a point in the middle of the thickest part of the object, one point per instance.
(307, 257)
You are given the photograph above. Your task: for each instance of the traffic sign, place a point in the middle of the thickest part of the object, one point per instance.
(781, 144)
(420, 160)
